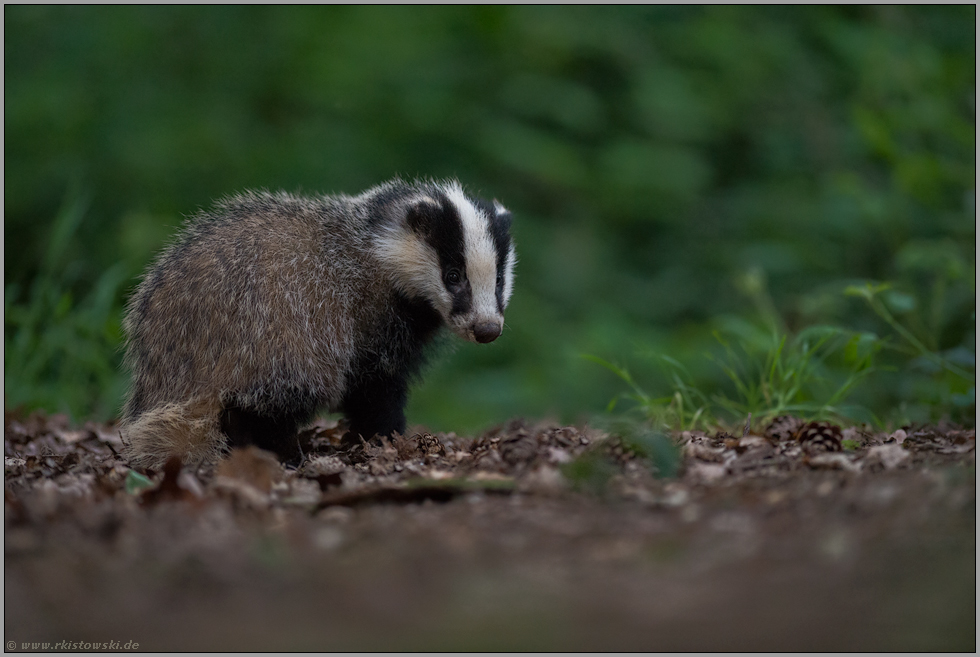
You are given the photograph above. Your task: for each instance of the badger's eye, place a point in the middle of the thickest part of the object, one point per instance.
(500, 278)
(453, 277)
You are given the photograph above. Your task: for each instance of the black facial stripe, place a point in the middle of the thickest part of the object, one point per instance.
(442, 228)
(499, 230)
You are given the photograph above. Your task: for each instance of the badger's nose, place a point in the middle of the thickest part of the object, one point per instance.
(486, 331)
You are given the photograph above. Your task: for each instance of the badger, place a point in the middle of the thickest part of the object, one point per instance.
(270, 307)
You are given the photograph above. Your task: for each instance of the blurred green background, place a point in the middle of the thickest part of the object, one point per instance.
(668, 168)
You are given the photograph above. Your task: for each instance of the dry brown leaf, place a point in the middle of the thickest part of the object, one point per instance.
(706, 472)
(71, 437)
(323, 465)
(437, 475)
(252, 466)
(704, 453)
(890, 456)
(834, 461)
(242, 491)
(169, 487)
(753, 441)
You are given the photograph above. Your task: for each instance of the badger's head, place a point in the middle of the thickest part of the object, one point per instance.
(453, 251)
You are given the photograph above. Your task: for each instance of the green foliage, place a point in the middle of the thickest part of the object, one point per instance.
(769, 374)
(684, 409)
(773, 375)
(60, 353)
(954, 389)
(664, 456)
(589, 473)
(647, 152)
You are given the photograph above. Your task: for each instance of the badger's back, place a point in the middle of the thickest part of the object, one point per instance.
(253, 302)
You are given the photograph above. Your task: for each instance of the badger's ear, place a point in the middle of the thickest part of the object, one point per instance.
(422, 215)
(502, 214)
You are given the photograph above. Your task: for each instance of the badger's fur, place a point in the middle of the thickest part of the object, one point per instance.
(272, 306)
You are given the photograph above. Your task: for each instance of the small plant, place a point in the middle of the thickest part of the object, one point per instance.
(771, 374)
(683, 409)
(872, 293)
(774, 374)
(957, 384)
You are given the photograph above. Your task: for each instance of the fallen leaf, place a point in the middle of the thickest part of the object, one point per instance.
(890, 456)
(704, 453)
(835, 461)
(252, 466)
(437, 475)
(753, 441)
(71, 437)
(169, 488)
(706, 472)
(242, 492)
(899, 437)
(323, 465)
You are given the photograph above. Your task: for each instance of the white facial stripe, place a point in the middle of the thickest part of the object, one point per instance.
(509, 273)
(416, 267)
(480, 253)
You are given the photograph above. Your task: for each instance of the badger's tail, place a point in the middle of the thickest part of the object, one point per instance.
(190, 430)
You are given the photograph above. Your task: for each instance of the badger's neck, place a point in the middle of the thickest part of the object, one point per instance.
(419, 319)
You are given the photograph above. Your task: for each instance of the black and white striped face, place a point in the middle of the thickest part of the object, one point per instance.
(456, 252)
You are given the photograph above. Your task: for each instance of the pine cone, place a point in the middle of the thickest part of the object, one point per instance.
(618, 450)
(430, 445)
(784, 427)
(820, 437)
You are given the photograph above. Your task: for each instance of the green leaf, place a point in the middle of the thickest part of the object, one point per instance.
(868, 291)
(135, 482)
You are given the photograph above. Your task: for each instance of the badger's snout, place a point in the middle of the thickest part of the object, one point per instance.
(486, 331)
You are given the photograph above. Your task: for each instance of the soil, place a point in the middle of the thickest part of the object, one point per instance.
(530, 537)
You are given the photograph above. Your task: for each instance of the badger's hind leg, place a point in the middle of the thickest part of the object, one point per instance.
(275, 431)
(276, 434)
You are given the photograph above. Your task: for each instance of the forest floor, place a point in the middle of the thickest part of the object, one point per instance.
(530, 537)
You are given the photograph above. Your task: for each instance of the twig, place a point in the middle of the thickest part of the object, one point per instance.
(302, 456)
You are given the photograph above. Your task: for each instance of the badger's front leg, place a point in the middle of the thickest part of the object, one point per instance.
(375, 405)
